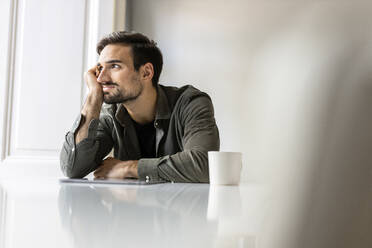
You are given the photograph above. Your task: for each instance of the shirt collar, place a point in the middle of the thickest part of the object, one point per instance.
(122, 115)
(162, 109)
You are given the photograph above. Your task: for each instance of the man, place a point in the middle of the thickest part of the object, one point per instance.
(158, 133)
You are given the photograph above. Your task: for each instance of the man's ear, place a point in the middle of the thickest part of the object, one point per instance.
(147, 71)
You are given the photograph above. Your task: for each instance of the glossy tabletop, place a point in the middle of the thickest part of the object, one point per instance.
(51, 214)
(46, 213)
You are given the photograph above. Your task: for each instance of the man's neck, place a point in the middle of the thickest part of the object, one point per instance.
(143, 109)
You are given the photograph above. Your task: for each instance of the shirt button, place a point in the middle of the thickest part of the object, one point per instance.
(156, 124)
(73, 149)
(147, 178)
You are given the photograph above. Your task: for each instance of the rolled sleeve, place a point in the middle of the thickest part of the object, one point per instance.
(148, 169)
(79, 160)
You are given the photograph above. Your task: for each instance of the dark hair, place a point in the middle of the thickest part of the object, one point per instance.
(143, 49)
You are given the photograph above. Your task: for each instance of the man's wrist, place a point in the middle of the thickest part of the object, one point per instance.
(135, 168)
(92, 106)
(132, 168)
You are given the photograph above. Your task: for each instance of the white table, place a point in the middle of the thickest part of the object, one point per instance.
(45, 213)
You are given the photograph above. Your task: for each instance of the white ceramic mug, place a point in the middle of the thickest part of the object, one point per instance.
(224, 167)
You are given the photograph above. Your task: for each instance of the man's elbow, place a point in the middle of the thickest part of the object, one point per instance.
(200, 161)
(204, 178)
(71, 165)
(69, 172)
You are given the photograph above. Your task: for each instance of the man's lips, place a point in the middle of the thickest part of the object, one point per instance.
(107, 87)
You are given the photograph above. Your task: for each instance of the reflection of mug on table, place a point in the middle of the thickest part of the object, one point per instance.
(224, 167)
(224, 202)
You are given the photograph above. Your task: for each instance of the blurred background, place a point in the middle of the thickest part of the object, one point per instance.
(291, 83)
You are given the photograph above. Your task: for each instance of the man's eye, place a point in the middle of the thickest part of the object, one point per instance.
(115, 66)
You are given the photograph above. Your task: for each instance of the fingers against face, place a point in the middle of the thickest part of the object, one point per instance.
(91, 80)
(91, 72)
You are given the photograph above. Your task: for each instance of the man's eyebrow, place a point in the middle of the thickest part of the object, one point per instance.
(111, 62)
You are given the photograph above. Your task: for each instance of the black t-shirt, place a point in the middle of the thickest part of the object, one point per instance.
(146, 139)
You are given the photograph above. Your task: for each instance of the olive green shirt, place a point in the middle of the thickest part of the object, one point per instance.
(185, 131)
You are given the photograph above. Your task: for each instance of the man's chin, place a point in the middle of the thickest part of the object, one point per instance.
(119, 98)
(113, 100)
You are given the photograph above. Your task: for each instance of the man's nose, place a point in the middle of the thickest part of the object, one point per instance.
(103, 76)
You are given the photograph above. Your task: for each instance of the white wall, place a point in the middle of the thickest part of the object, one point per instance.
(285, 76)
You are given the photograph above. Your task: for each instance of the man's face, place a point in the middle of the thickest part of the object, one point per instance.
(120, 82)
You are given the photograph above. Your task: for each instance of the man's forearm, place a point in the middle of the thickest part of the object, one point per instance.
(186, 166)
(80, 158)
(90, 111)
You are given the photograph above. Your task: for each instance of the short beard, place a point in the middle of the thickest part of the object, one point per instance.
(119, 97)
